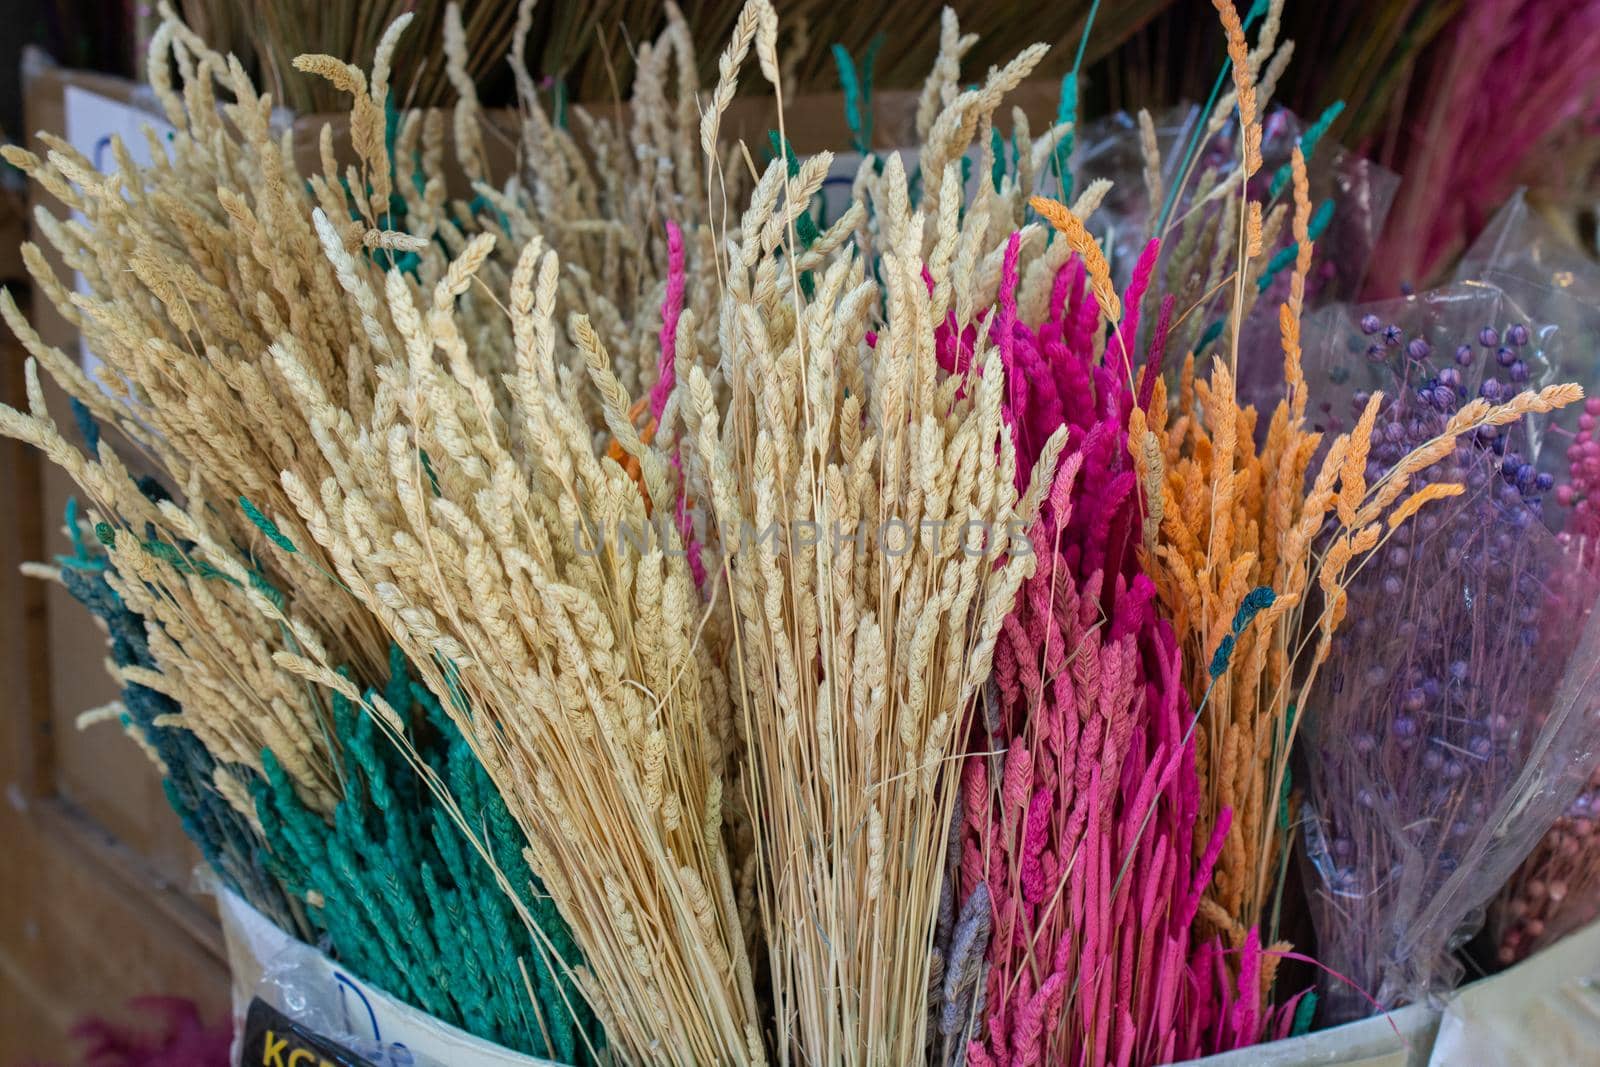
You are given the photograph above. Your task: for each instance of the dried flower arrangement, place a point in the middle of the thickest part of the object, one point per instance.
(1235, 515)
(221, 348)
(1580, 490)
(1434, 737)
(818, 642)
(201, 789)
(392, 862)
(267, 37)
(1077, 824)
(865, 628)
(1244, 687)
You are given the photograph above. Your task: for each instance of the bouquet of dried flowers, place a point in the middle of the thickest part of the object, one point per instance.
(1521, 271)
(1076, 824)
(1444, 742)
(1557, 889)
(1230, 509)
(207, 794)
(674, 540)
(862, 503)
(250, 302)
(1478, 133)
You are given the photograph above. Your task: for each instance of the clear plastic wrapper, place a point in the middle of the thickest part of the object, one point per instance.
(1522, 252)
(1111, 147)
(1350, 197)
(1557, 888)
(1553, 285)
(1473, 331)
(1542, 280)
(1455, 718)
(1361, 191)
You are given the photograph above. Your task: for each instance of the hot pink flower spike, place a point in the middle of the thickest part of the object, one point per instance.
(667, 378)
(1087, 841)
(671, 312)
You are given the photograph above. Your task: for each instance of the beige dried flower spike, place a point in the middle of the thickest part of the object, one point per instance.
(838, 476)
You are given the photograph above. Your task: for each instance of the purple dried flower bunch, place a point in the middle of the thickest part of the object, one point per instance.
(1428, 387)
(1425, 717)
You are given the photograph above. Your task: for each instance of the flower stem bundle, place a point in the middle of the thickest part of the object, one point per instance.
(1440, 739)
(1078, 826)
(265, 331)
(864, 501)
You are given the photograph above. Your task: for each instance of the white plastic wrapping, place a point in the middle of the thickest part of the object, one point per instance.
(317, 993)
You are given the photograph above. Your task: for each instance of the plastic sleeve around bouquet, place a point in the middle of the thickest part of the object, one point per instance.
(1358, 191)
(1454, 719)
(330, 1005)
(1470, 332)
(1556, 289)
(1544, 281)
(1454, 723)
(1111, 147)
(1350, 197)
(1557, 888)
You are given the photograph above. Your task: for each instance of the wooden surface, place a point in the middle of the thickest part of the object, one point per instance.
(96, 884)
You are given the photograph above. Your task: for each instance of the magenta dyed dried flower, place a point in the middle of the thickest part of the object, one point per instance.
(1079, 815)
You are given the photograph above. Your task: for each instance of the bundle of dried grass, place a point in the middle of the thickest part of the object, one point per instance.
(208, 283)
(574, 669)
(864, 505)
(212, 621)
(270, 326)
(400, 418)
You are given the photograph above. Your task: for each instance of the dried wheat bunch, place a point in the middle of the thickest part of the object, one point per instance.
(599, 190)
(573, 667)
(232, 697)
(216, 629)
(255, 327)
(195, 266)
(205, 265)
(862, 505)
